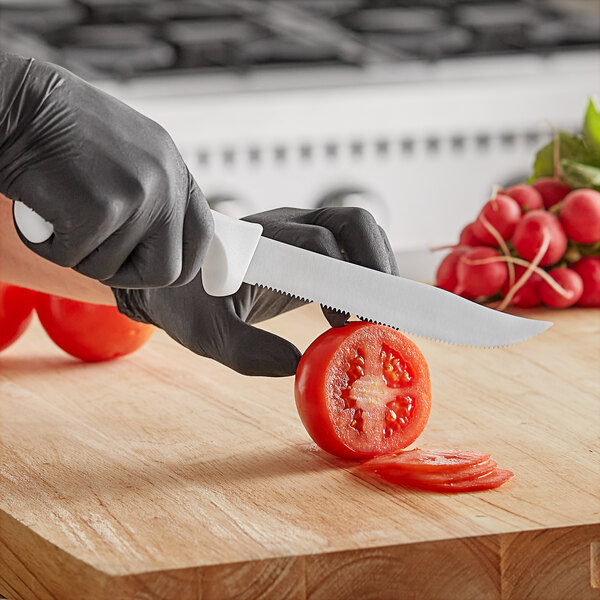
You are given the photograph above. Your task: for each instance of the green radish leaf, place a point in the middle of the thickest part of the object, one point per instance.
(570, 146)
(579, 174)
(591, 129)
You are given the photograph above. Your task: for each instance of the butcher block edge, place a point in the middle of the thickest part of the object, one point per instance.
(548, 564)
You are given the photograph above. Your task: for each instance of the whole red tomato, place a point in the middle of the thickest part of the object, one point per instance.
(91, 332)
(16, 312)
(363, 390)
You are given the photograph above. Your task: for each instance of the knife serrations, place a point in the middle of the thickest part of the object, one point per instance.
(413, 307)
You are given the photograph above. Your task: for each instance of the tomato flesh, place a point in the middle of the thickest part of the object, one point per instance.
(439, 470)
(16, 312)
(363, 390)
(431, 461)
(492, 479)
(394, 475)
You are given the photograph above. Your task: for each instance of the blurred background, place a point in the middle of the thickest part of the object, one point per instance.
(413, 110)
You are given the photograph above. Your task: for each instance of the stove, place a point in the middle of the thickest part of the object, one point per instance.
(413, 110)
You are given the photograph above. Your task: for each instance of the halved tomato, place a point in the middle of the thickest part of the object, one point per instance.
(363, 390)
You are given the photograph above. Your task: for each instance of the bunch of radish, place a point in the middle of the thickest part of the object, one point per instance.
(524, 249)
(538, 242)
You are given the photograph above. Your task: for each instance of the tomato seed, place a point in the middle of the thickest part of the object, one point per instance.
(395, 369)
(357, 421)
(398, 412)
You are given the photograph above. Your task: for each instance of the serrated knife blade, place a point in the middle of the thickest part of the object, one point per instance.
(410, 306)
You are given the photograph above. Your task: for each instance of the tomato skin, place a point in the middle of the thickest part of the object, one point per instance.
(16, 312)
(315, 384)
(90, 332)
(309, 384)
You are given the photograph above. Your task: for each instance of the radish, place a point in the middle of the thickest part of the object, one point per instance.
(570, 281)
(529, 235)
(501, 242)
(526, 196)
(503, 213)
(467, 237)
(528, 295)
(445, 276)
(480, 279)
(589, 271)
(552, 190)
(580, 215)
(510, 290)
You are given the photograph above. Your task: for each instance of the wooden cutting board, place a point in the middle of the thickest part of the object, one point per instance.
(164, 476)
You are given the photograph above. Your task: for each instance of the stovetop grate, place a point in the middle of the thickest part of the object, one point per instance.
(129, 39)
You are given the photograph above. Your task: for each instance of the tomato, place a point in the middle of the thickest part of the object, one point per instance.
(91, 332)
(439, 470)
(363, 390)
(428, 461)
(16, 312)
(491, 479)
(441, 476)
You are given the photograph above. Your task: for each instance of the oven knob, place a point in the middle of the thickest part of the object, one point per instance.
(357, 197)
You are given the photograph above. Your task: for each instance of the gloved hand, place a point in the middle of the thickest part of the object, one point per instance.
(219, 328)
(124, 207)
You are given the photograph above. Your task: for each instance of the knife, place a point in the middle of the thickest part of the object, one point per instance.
(238, 254)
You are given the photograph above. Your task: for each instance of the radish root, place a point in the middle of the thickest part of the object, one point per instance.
(503, 247)
(523, 263)
(532, 267)
(496, 189)
(525, 277)
(447, 247)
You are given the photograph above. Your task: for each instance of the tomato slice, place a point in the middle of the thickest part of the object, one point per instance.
(394, 475)
(439, 470)
(363, 390)
(431, 461)
(487, 481)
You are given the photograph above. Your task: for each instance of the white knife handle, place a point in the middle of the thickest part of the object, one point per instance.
(229, 254)
(32, 226)
(226, 262)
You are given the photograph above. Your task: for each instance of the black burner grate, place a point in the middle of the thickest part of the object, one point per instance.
(125, 38)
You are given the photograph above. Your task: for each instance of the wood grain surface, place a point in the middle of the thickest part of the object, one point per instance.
(164, 476)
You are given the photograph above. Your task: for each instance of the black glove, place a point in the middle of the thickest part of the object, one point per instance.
(219, 327)
(124, 207)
